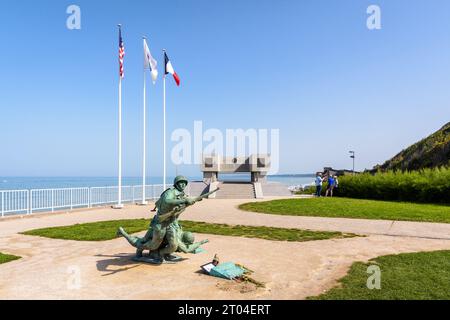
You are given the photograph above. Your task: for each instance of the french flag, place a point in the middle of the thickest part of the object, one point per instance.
(169, 69)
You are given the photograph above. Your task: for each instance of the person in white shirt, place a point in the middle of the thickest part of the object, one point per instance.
(319, 182)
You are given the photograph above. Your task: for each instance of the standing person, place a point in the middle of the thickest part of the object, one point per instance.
(319, 181)
(336, 182)
(331, 185)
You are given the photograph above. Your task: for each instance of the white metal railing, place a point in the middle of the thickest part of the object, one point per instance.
(54, 199)
(29, 201)
(14, 201)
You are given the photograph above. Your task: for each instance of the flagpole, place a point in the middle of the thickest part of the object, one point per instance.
(119, 202)
(164, 128)
(144, 147)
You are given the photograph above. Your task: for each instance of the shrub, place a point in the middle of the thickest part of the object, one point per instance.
(427, 185)
(311, 190)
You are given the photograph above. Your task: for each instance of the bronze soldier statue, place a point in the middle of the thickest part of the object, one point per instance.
(180, 241)
(165, 235)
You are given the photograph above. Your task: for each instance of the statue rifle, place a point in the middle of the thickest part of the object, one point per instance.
(180, 207)
(206, 195)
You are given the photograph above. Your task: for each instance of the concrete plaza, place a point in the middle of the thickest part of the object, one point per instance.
(61, 269)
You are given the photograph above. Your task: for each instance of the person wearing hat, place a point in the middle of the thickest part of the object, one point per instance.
(319, 181)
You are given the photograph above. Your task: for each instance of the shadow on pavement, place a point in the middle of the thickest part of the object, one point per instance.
(124, 260)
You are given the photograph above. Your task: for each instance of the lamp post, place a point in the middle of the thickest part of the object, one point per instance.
(352, 155)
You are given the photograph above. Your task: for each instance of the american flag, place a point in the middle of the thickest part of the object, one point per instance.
(121, 53)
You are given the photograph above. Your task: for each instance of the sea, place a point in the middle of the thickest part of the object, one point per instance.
(27, 183)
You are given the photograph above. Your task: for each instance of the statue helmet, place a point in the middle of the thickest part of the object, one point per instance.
(188, 237)
(180, 179)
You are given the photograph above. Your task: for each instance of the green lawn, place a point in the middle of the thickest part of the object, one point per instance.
(4, 258)
(411, 276)
(106, 230)
(353, 208)
(96, 231)
(268, 233)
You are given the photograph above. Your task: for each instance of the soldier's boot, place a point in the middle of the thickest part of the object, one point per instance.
(154, 255)
(171, 257)
(139, 252)
(120, 232)
(134, 241)
(167, 253)
(171, 247)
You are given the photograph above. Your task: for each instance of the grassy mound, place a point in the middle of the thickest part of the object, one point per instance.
(106, 230)
(411, 276)
(352, 208)
(4, 258)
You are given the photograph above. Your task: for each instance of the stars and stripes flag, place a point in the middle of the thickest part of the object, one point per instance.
(121, 54)
(169, 69)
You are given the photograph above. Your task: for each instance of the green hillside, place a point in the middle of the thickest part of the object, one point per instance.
(431, 152)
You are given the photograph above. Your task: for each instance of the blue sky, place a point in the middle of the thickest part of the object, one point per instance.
(309, 68)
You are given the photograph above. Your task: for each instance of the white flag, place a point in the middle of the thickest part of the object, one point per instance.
(149, 62)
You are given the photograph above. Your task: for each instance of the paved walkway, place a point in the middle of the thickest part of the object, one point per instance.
(58, 269)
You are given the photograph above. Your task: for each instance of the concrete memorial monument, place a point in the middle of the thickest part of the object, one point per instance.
(258, 165)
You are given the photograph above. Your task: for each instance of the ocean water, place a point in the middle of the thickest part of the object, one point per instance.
(294, 180)
(26, 183)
